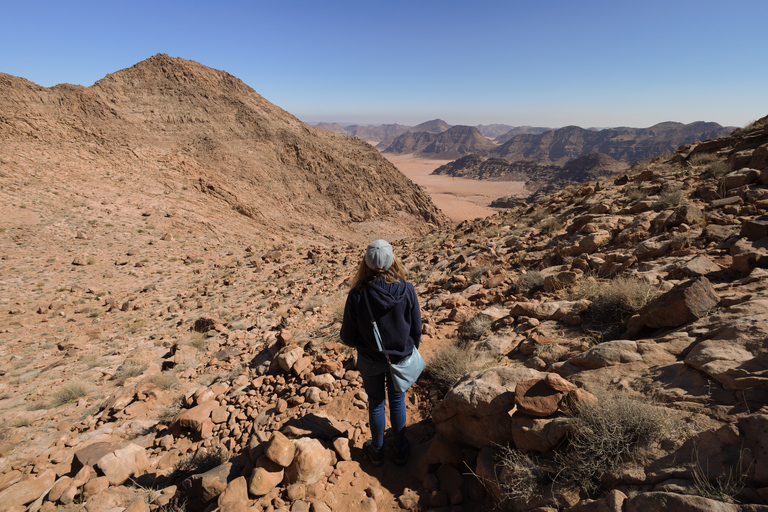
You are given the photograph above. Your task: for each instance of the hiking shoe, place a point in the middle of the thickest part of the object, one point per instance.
(401, 458)
(375, 455)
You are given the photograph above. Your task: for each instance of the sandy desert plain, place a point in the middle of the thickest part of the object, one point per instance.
(460, 199)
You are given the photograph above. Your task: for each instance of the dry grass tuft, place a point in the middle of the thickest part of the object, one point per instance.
(451, 363)
(68, 393)
(614, 301)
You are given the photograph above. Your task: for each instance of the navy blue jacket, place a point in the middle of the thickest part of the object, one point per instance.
(396, 311)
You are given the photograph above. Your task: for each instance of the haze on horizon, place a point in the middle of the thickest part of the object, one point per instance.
(593, 64)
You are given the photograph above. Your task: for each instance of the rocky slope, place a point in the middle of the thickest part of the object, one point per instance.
(538, 178)
(454, 142)
(153, 364)
(188, 134)
(623, 144)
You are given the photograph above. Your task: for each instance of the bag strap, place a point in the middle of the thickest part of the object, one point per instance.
(376, 333)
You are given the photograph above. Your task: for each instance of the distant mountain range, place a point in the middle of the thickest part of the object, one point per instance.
(439, 140)
(544, 158)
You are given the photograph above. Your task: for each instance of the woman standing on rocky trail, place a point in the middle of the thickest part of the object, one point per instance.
(395, 308)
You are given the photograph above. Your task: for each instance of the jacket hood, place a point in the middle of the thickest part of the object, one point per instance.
(384, 295)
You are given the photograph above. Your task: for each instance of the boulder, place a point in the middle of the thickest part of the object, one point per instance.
(538, 434)
(280, 449)
(740, 178)
(265, 476)
(205, 487)
(124, 463)
(734, 353)
(555, 310)
(681, 305)
(666, 501)
(536, 398)
(27, 490)
(747, 255)
(309, 463)
(476, 411)
(754, 229)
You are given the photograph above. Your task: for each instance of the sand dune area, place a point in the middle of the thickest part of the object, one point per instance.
(460, 199)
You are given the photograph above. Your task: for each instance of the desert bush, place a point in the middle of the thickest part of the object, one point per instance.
(127, 370)
(614, 301)
(531, 281)
(521, 476)
(716, 170)
(700, 159)
(68, 393)
(451, 363)
(92, 361)
(476, 273)
(633, 193)
(669, 199)
(165, 381)
(201, 461)
(475, 327)
(723, 487)
(607, 434)
(549, 225)
(197, 339)
(167, 413)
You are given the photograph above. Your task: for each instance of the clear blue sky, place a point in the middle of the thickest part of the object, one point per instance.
(537, 62)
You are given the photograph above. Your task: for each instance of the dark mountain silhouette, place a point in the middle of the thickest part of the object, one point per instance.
(452, 143)
(537, 177)
(623, 144)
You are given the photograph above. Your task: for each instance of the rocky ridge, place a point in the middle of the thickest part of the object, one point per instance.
(150, 367)
(180, 134)
(451, 143)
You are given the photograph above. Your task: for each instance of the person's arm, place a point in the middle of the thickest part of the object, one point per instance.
(415, 319)
(349, 333)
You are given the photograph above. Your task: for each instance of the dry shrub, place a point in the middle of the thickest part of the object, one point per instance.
(716, 170)
(127, 370)
(475, 327)
(700, 159)
(529, 282)
(476, 273)
(451, 363)
(614, 301)
(201, 461)
(521, 477)
(608, 434)
(671, 198)
(197, 339)
(723, 487)
(69, 393)
(549, 225)
(165, 381)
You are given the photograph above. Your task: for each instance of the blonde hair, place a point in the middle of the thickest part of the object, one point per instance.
(392, 275)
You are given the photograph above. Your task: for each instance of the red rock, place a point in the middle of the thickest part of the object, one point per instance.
(280, 449)
(536, 398)
(265, 476)
(236, 492)
(558, 383)
(27, 490)
(124, 463)
(309, 463)
(681, 305)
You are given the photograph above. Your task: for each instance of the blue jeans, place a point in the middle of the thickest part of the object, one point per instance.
(378, 384)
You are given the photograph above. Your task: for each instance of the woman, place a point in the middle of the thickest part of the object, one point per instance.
(395, 308)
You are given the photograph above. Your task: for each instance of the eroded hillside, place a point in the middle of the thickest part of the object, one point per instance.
(199, 139)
